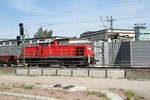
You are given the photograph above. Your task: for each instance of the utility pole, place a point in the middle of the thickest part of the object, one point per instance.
(108, 19)
(111, 24)
(111, 21)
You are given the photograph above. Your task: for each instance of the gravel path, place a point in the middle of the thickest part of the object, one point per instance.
(141, 87)
(27, 96)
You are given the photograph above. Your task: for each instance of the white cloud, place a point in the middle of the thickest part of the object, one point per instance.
(29, 6)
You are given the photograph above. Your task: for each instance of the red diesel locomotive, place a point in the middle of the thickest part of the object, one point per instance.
(54, 54)
(47, 54)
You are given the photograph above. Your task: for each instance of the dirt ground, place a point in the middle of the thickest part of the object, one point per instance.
(59, 94)
(141, 87)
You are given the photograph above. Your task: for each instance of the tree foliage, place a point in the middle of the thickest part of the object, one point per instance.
(43, 33)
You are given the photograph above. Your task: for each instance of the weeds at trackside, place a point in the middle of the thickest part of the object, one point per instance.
(24, 86)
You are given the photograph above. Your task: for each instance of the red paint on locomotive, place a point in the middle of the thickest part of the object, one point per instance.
(54, 49)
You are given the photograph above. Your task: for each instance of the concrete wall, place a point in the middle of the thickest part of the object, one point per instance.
(73, 72)
(94, 73)
(138, 73)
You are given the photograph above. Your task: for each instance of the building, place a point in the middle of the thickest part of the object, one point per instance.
(141, 33)
(4, 39)
(110, 35)
(32, 41)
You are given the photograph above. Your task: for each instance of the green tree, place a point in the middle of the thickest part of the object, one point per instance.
(43, 33)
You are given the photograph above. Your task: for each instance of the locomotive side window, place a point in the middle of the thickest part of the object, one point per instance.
(80, 51)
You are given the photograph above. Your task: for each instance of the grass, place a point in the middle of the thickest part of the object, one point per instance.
(55, 91)
(77, 99)
(38, 83)
(98, 94)
(5, 85)
(130, 95)
(5, 73)
(2, 84)
(24, 86)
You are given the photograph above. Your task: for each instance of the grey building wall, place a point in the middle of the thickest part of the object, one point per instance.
(113, 54)
(10, 50)
(129, 54)
(98, 50)
(140, 54)
(119, 54)
(106, 54)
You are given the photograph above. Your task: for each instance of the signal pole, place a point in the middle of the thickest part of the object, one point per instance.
(23, 39)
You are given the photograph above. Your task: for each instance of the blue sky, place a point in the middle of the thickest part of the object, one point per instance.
(69, 17)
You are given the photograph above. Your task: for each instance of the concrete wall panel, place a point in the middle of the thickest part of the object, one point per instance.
(80, 72)
(64, 72)
(115, 73)
(49, 72)
(22, 71)
(35, 71)
(138, 73)
(97, 73)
